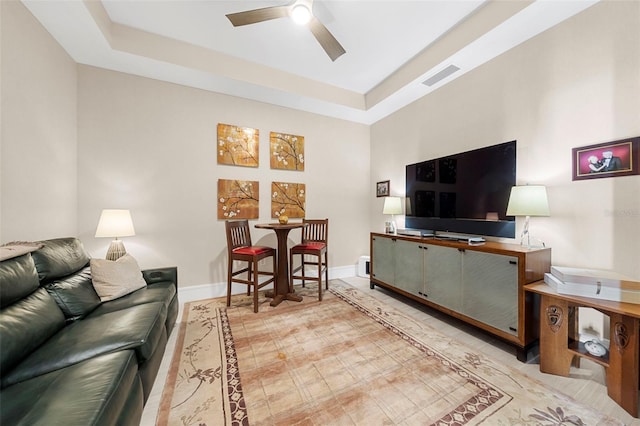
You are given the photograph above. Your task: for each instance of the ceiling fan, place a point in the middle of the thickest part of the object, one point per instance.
(301, 13)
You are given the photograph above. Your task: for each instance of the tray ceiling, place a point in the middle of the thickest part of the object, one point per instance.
(392, 46)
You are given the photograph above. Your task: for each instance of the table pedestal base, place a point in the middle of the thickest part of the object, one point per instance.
(282, 288)
(278, 298)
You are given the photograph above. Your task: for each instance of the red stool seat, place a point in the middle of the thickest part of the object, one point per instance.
(309, 246)
(252, 250)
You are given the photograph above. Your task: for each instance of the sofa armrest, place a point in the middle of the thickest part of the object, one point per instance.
(155, 275)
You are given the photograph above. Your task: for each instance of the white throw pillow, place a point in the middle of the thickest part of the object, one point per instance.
(114, 279)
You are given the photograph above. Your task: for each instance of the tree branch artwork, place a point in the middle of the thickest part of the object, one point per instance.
(287, 151)
(238, 146)
(238, 199)
(288, 199)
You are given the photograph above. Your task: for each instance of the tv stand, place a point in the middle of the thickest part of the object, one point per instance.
(482, 285)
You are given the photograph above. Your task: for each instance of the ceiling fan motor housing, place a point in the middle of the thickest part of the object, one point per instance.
(299, 8)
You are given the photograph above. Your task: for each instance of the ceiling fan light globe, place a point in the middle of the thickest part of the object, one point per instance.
(300, 14)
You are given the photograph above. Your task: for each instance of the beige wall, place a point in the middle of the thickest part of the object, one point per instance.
(38, 131)
(574, 85)
(150, 147)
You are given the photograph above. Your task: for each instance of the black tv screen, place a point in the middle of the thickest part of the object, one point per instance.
(465, 193)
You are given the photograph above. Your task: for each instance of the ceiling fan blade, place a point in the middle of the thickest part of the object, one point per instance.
(258, 15)
(326, 39)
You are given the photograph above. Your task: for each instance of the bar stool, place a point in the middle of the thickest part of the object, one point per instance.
(314, 243)
(240, 249)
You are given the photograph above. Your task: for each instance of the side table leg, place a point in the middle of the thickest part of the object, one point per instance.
(623, 370)
(574, 331)
(555, 357)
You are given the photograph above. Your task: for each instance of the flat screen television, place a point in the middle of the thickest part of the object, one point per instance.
(463, 194)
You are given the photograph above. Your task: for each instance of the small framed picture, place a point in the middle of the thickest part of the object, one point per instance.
(382, 189)
(610, 159)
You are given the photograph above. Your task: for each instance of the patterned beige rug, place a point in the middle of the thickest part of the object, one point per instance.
(349, 359)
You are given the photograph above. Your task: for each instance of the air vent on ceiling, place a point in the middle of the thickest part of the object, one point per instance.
(441, 75)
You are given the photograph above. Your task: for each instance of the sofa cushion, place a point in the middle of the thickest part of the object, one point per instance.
(59, 257)
(164, 292)
(25, 325)
(114, 279)
(159, 292)
(139, 328)
(18, 278)
(75, 294)
(93, 392)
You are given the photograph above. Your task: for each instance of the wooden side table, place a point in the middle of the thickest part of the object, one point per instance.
(559, 344)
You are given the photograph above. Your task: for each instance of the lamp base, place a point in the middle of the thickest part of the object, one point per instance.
(116, 250)
(525, 237)
(390, 227)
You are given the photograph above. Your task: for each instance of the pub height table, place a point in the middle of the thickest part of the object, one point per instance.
(283, 289)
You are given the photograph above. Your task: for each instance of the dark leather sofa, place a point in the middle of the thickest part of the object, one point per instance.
(68, 359)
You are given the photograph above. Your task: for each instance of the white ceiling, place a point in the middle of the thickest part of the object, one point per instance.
(392, 46)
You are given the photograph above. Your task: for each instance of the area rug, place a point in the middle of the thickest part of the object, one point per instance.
(350, 359)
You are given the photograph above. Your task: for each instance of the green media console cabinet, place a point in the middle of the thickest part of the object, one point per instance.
(482, 285)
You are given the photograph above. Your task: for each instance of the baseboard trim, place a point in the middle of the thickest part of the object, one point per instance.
(211, 290)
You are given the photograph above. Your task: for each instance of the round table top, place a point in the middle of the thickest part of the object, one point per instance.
(277, 225)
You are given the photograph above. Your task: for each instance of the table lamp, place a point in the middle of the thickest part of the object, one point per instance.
(528, 200)
(392, 206)
(115, 223)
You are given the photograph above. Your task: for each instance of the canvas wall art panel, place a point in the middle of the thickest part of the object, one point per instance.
(288, 199)
(238, 146)
(287, 151)
(238, 199)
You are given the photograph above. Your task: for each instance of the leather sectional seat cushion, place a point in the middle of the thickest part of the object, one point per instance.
(85, 385)
(139, 328)
(161, 292)
(68, 358)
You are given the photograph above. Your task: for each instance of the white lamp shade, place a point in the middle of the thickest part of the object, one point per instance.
(115, 223)
(528, 200)
(392, 205)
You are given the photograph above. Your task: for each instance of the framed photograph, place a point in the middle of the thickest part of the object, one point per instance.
(382, 189)
(610, 159)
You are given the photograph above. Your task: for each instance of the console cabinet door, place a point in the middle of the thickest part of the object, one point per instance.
(490, 289)
(384, 263)
(409, 260)
(443, 276)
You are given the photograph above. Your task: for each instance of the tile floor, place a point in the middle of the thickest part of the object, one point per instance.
(585, 384)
